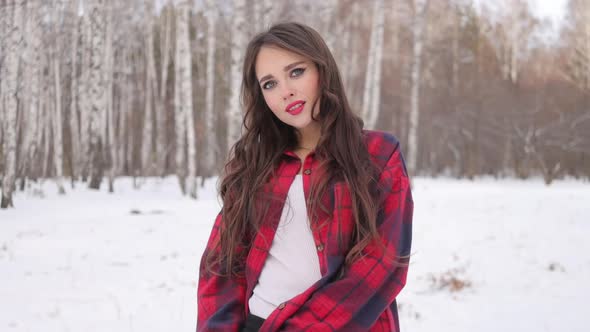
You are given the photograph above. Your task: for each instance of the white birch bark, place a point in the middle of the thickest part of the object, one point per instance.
(96, 91)
(325, 15)
(179, 124)
(211, 150)
(369, 74)
(185, 140)
(45, 124)
(578, 40)
(375, 108)
(127, 130)
(352, 66)
(346, 52)
(32, 85)
(372, 92)
(12, 62)
(76, 153)
(57, 127)
(84, 94)
(395, 34)
(161, 118)
(258, 15)
(264, 14)
(455, 48)
(270, 9)
(146, 142)
(56, 100)
(4, 29)
(238, 46)
(123, 111)
(420, 9)
(109, 133)
(517, 25)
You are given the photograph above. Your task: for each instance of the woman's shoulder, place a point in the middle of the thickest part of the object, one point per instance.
(380, 144)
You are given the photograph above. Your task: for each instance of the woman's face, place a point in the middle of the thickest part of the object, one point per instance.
(289, 84)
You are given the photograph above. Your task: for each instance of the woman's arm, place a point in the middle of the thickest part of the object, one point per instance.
(221, 305)
(370, 284)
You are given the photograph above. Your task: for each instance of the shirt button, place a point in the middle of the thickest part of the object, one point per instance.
(320, 247)
(307, 171)
(281, 306)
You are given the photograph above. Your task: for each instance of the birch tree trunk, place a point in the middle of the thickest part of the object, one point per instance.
(455, 49)
(56, 101)
(420, 9)
(375, 109)
(179, 124)
(123, 111)
(5, 17)
(185, 128)
(211, 151)
(516, 27)
(161, 118)
(238, 46)
(109, 125)
(97, 91)
(12, 62)
(84, 94)
(369, 74)
(327, 21)
(45, 122)
(4, 28)
(150, 78)
(264, 14)
(258, 15)
(346, 50)
(352, 66)
(57, 127)
(578, 39)
(372, 92)
(75, 153)
(32, 78)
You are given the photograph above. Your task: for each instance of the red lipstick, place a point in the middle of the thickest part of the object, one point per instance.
(298, 109)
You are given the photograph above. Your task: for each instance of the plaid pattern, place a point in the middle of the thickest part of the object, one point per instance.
(360, 299)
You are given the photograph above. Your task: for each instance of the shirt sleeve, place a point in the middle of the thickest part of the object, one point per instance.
(220, 300)
(369, 285)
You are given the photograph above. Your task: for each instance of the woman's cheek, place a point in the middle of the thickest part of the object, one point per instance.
(269, 104)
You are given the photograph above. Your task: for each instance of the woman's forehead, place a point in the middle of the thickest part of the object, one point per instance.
(275, 59)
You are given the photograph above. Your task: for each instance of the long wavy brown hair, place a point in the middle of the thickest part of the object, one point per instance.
(255, 156)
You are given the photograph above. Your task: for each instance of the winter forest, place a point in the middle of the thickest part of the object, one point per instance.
(117, 118)
(96, 89)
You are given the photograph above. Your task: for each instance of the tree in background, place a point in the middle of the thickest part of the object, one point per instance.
(13, 43)
(238, 46)
(420, 12)
(96, 90)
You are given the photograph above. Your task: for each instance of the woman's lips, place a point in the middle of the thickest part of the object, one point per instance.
(297, 110)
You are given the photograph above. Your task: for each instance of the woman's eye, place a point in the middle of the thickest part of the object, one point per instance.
(297, 72)
(268, 85)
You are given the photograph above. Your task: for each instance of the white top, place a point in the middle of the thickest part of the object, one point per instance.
(292, 265)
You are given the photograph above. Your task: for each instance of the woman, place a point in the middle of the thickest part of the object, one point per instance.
(315, 229)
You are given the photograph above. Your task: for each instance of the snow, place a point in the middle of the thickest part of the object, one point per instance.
(94, 261)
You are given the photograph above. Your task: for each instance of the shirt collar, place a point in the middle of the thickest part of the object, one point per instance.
(291, 152)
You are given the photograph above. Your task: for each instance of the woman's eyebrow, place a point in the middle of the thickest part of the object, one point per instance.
(269, 76)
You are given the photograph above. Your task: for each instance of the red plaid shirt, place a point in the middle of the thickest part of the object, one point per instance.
(363, 298)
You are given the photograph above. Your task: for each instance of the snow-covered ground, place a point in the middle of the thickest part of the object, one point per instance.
(488, 255)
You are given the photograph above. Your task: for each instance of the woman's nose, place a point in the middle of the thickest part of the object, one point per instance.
(287, 95)
(287, 91)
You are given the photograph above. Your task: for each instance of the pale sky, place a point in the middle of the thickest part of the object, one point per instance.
(553, 9)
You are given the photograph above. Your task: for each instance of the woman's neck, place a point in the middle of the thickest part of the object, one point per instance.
(308, 137)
